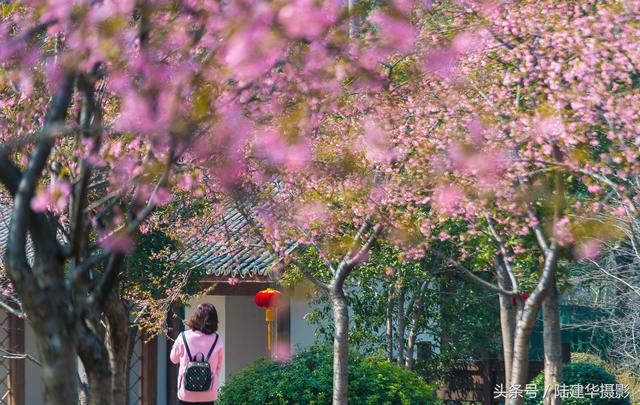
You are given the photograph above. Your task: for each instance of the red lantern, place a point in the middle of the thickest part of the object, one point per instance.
(267, 299)
(523, 297)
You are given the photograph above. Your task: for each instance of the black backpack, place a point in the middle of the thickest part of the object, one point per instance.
(198, 376)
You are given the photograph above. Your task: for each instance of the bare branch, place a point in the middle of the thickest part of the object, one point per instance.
(635, 290)
(6, 354)
(44, 235)
(363, 228)
(13, 311)
(108, 279)
(471, 275)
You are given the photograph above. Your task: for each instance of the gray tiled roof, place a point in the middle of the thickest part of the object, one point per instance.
(247, 256)
(246, 260)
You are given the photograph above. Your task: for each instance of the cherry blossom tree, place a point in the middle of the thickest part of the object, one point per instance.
(502, 133)
(109, 109)
(534, 122)
(312, 186)
(100, 105)
(327, 129)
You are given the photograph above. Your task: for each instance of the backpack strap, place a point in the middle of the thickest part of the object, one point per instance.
(184, 339)
(213, 347)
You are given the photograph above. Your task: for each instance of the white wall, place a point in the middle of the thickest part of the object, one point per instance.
(302, 333)
(218, 301)
(246, 337)
(243, 327)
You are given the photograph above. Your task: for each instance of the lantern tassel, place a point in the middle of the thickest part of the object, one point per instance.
(269, 317)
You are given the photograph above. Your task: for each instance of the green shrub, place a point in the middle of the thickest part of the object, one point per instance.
(307, 379)
(623, 376)
(580, 374)
(589, 359)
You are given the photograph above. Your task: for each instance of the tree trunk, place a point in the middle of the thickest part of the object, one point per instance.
(526, 322)
(507, 326)
(389, 326)
(447, 288)
(402, 292)
(120, 361)
(58, 360)
(120, 338)
(507, 322)
(340, 347)
(99, 384)
(95, 360)
(520, 364)
(416, 309)
(55, 338)
(83, 383)
(552, 346)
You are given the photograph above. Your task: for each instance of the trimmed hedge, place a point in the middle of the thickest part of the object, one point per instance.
(307, 379)
(580, 374)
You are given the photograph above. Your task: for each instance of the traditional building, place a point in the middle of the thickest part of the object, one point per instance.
(152, 377)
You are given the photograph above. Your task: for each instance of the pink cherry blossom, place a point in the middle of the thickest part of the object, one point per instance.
(118, 242)
(395, 33)
(306, 19)
(562, 232)
(448, 198)
(375, 143)
(54, 197)
(589, 250)
(161, 197)
(282, 351)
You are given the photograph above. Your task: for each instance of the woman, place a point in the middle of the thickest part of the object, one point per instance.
(201, 338)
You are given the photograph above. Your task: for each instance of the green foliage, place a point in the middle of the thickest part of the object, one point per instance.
(582, 374)
(307, 379)
(152, 281)
(465, 327)
(588, 358)
(623, 376)
(150, 269)
(454, 310)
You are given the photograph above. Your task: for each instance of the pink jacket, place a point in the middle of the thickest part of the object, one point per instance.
(198, 342)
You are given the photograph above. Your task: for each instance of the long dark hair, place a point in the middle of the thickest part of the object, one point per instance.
(205, 319)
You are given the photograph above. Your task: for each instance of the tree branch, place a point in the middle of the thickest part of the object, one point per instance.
(43, 234)
(83, 268)
(107, 281)
(323, 286)
(80, 192)
(109, 277)
(359, 256)
(321, 253)
(13, 311)
(471, 275)
(635, 290)
(537, 230)
(505, 254)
